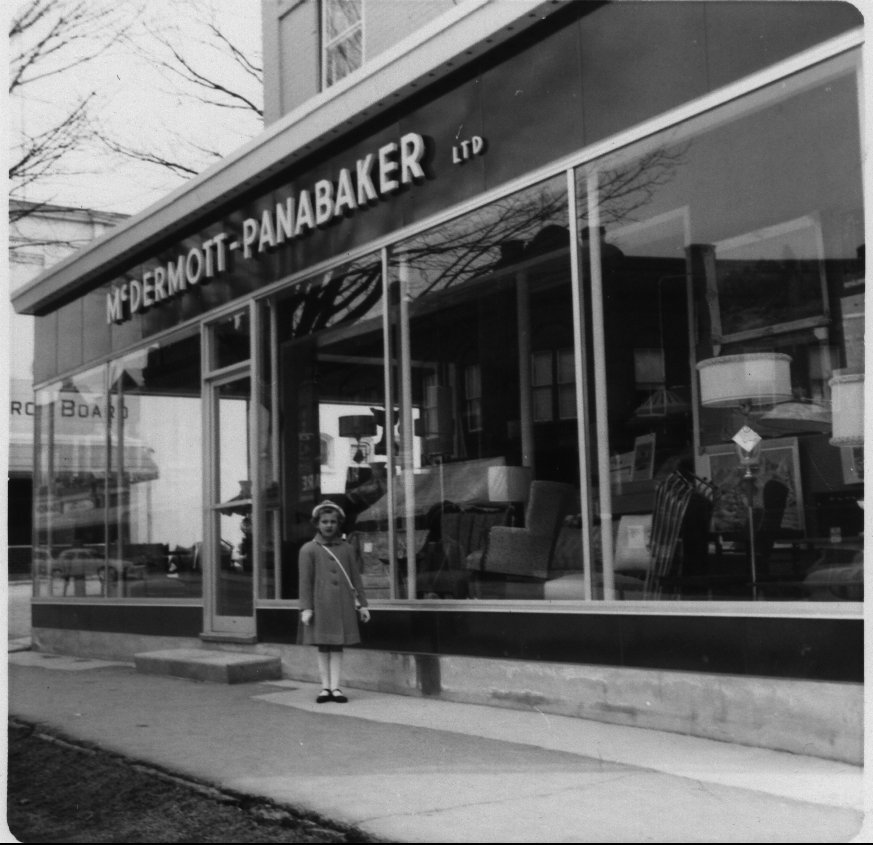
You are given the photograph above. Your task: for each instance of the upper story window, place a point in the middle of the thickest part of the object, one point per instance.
(342, 44)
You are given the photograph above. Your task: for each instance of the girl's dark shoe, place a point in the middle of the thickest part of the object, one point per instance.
(323, 696)
(338, 697)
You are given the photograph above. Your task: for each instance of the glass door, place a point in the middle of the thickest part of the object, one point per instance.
(230, 519)
(229, 537)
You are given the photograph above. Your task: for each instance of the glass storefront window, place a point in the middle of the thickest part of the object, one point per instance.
(119, 478)
(156, 502)
(336, 435)
(732, 279)
(230, 340)
(71, 486)
(481, 317)
(662, 409)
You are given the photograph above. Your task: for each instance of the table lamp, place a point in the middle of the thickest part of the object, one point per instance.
(357, 427)
(745, 382)
(509, 485)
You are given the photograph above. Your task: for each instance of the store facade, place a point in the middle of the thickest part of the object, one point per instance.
(573, 332)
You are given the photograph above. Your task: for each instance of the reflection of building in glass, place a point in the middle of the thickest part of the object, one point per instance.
(39, 236)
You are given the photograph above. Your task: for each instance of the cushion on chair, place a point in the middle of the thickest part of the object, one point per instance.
(515, 551)
(549, 503)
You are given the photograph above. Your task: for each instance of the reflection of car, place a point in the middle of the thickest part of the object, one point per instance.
(189, 559)
(80, 563)
(42, 561)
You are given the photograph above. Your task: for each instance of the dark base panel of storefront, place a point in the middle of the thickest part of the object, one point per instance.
(790, 648)
(776, 647)
(164, 621)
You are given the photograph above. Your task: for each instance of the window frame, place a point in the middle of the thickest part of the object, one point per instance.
(329, 45)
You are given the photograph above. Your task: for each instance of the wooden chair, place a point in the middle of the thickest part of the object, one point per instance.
(459, 532)
(679, 499)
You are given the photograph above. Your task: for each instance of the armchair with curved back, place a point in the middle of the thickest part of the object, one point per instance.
(525, 552)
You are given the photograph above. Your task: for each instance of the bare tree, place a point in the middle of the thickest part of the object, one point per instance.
(201, 64)
(56, 134)
(48, 38)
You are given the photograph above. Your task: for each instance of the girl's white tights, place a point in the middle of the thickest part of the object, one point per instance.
(330, 665)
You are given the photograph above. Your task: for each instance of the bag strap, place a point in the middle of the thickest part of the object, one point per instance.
(339, 564)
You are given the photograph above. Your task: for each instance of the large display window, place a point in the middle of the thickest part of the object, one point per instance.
(529, 411)
(732, 247)
(481, 323)
(119, 478)
(72, 485)
(334, 426)
(638, 378)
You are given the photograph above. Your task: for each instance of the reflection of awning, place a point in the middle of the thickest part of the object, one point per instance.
(84, 456)
(20, 457)
(78, 511)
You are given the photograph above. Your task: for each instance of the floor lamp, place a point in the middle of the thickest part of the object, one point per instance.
(746, 382)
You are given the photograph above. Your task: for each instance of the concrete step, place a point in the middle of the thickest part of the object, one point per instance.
(220, 667)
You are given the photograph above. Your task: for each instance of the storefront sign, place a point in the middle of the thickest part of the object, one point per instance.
(465, 150)
(374, 177)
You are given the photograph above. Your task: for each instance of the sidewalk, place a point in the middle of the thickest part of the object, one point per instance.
(417, 770)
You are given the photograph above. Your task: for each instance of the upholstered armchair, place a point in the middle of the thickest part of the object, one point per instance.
(527, 551)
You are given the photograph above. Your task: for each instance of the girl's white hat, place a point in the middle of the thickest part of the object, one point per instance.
(326, 505)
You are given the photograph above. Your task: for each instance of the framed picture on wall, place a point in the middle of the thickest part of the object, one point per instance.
(778, 472)
(644, 458)
(853, 464)
(768, 281)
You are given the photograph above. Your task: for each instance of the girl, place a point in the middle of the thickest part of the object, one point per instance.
(331, 597)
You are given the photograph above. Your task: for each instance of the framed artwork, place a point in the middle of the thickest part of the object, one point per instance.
(632, 540)
(621, 467)
(644, 458)
(853, 464)
(780, 464)
(768, 281)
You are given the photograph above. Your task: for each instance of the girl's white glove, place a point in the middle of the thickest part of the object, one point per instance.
(306, 617)
(364, 613)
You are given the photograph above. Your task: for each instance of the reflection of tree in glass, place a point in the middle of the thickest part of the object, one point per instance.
(625, 190)
(343, 295)
(482, 240)
(504, 232)
(527, 223)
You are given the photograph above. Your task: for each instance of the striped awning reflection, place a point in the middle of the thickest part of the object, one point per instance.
(84, 456)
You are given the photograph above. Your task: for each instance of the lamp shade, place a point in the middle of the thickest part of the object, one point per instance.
(662, 403)
(752, 378)
(798, 418)
(508, 484)
(357, 426)
(847, 409)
